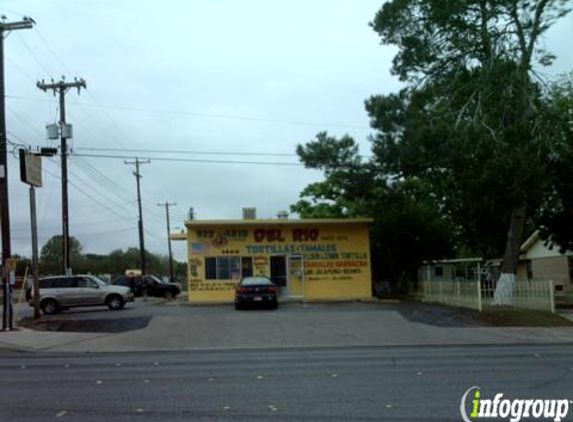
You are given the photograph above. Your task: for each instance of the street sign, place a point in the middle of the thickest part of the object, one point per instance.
(11, 263)
(30, 168)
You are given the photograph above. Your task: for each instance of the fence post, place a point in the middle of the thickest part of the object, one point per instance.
(552, 295)
(480, 308)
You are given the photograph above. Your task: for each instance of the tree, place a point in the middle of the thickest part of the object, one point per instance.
(114, 263)
(408, 226)
(51, 254)
(468, 121)
(23, 264)
(557, 215)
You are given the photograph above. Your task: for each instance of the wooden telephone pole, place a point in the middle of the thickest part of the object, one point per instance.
(137, 175)
(167, 205)
(62, 88)
(6, 28)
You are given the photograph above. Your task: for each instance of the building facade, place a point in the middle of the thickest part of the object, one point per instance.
(311, 259)
(540, 261)
(537, 261)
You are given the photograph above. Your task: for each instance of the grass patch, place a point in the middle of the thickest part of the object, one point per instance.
(523, 318)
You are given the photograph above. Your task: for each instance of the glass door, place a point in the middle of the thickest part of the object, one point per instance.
(295, 276)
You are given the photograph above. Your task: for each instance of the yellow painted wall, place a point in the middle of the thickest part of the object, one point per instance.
(336, 257)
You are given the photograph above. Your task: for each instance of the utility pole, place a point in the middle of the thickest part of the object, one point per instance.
(62, 88)
(167, 205)
(6, 28)
(137, 175)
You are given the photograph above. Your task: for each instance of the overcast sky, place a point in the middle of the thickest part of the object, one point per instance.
(206, 76)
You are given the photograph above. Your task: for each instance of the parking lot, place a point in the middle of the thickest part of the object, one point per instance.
(158, 325)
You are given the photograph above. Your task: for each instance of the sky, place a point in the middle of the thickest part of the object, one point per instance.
(215, 80)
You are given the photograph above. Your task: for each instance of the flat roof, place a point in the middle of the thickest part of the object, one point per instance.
(452, 261)
(278, 221)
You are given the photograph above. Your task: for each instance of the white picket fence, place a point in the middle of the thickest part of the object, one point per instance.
(479, 295)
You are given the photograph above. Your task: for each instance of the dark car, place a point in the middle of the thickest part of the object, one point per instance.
(256, 291)
(148, 285)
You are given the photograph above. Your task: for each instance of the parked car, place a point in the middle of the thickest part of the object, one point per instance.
(70, 291)
(149, 285)
(256, 291)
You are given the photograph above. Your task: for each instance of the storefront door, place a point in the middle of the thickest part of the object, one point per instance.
(279, 274)
(295, 276)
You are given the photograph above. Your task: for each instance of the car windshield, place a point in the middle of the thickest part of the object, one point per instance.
(156, 279)
(97, 280)
(255, 281)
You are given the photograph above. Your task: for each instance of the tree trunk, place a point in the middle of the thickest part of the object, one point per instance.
(504, 289)
(514, 240)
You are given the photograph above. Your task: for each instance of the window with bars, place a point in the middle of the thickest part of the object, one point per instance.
(222, 268)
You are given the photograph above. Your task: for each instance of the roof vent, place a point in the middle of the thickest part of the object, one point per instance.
(249, 213)
(282, 215)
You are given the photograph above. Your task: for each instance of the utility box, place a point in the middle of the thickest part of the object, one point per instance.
(67, 131)
(249, 213)
(53, 131)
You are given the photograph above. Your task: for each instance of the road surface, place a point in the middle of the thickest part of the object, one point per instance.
(310, 384)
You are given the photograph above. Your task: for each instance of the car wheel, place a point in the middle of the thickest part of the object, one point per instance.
(49, 306)
(115, 302)
(237, 307)
(274, 305)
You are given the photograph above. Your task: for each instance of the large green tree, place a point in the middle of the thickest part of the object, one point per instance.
(51, 254)
(468, 121)
(557, 214)
(408, 225)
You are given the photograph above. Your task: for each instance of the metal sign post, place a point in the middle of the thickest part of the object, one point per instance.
(34, 226)
(31, 173)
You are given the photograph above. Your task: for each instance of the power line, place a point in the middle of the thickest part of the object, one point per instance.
(112, 184)
(25, 122)
(186, 160)
(21, 70)
(51, 50)
(19, 139)
(174, 151)
(113, 192)
(83, 192)
(44, 69)
(103, 196)
(208, 115)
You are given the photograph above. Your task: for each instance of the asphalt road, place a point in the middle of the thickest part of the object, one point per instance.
(334, 384)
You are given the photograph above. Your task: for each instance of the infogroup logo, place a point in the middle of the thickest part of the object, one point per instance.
(513, 409)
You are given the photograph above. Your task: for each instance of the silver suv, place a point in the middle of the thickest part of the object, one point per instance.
(69, 291)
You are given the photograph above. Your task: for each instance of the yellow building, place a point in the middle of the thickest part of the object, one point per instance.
(307, 259)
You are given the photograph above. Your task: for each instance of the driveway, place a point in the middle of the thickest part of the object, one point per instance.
(155, 325)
